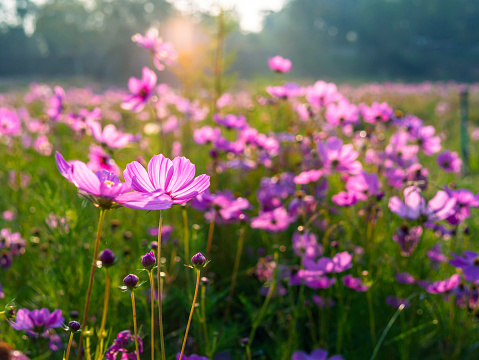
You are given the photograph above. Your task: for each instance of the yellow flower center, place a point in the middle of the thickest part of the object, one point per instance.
(109, 183)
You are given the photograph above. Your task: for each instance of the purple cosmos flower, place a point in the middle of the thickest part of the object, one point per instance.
(405, 278)
(429, 143)
(336, 156)
(141, 90)
(436, 255)
(407, 238)
(442, 286)
(378, 112)
(340, 262)
(9, 122)
(36, 322)
(323, 302)
(396, 302)
(231, 121)
(414, 206)
(191, 357)
(56, 104)
(449, 161)
(354, 283)
(174, 178)
(305, 244)
(312, 279)
(105, 190)
(279, 64)
(123, 347)
(317, 354)
(469, 264)
(465, 199)
(273, 221)
(110, 136)
(223, 205)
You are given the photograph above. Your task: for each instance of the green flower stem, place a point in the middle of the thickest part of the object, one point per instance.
(92, 275)
(69, 346)
(191, 313)
(152, 288)
(134, 325)
(105, 313)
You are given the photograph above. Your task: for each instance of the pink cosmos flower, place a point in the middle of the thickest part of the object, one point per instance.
(307, 177)
(100, 160)
(165, 54)
(442, 286)
(378, 112)
(336, 156)
(273, 221)
(174, 178)
(342, 113)
(363, 185)
(231, 121)
(150, 41)
(279, 64)
(414, 206)
(223, 100)
(56, 103)
(322, 94)
(449, 161)
(475, 134)
(9, 122)
(105, 190)
(110, 136)
(345, 199)
(206, 134)
(141, 90)
(43, 146)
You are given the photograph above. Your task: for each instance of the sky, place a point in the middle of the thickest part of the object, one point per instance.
(251, 12)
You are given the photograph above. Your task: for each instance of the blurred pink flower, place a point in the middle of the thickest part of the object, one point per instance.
(279, 64)
(141, 90)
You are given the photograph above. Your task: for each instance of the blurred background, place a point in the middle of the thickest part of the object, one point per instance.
(339, 40)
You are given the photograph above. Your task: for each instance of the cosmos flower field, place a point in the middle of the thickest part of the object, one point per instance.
(306, 221)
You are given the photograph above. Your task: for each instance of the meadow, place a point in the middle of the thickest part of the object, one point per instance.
(316, 221)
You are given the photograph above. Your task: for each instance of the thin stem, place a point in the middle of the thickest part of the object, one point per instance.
(105, 312)
(191, 313)
(90, 285)
(203, 316)
(186, 234)
(134, 324)
(210, 235)
(234, 277)
(69, 346)
(160, 315)
(372, 326)
(152, 287)
(259, 318)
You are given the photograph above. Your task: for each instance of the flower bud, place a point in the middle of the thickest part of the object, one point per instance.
(74, 326)
(130, 281)
(148, 260)
(198, 260)
(107, 257)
